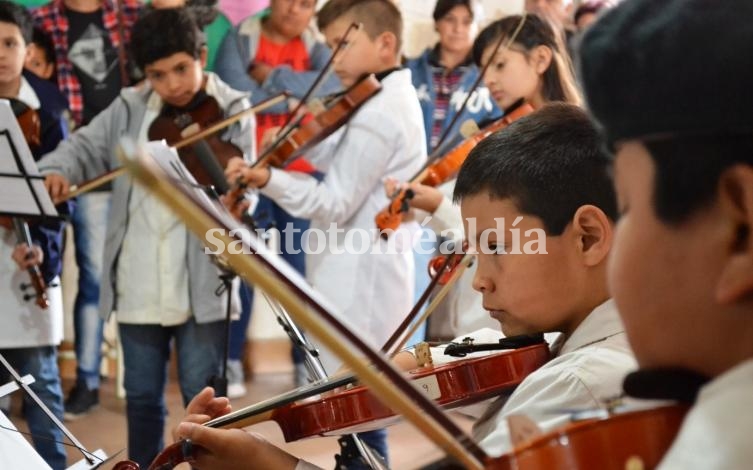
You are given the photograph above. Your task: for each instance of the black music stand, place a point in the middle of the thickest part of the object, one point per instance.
(24, 196)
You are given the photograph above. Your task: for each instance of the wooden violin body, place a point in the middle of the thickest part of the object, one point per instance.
(634, 440)
(443, 169)
(174, 126)
(357, 409)
(323, 124)
(28, 121)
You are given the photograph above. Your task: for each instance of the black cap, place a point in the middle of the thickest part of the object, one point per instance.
(651, 68)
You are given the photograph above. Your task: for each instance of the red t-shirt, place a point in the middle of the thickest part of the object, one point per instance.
(293, 54)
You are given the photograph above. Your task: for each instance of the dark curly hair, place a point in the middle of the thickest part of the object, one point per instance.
(160, 33)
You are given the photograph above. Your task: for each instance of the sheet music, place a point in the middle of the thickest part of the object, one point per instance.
(15, 450)
(19, 196)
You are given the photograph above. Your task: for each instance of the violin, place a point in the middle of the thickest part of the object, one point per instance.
(30, 124)
(322, 125)
(174, 125)
(438, 170)
(35, 274)
(28, 120)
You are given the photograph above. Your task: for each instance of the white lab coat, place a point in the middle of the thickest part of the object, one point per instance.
(588, 368)
(716, 432)
(24, 325)
(385, 138)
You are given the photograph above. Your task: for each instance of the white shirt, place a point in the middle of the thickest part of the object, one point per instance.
(373, 292)
(152, 274)
(587, 369)
(716, 433)
(25, 325)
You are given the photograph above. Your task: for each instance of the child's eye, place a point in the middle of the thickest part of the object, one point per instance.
(499, 65)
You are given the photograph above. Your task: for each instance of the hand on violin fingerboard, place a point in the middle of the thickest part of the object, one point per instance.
(238, 173)
(221, 449)
(57, 185)
(424, 197)
(204, 407)
(27, 257)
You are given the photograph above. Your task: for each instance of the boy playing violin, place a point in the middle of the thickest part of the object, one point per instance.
(369, 280)
(682, 270)
(30, 334)
(156, 276)
(556, 193)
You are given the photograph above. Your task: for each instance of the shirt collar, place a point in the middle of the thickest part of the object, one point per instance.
(603, 322)
(434, 59)
(27, 94)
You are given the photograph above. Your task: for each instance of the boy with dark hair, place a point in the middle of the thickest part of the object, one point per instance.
(156, 276)
(30, 334)
(539, 206)
(682, 273)
(41, 58)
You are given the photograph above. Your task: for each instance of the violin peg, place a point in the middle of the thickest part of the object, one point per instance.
(468, 128)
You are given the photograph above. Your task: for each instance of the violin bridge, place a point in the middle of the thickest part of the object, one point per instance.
(423, 355)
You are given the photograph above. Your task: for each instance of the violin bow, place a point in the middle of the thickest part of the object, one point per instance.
(293, 119)
(461, 267)
(306, 306)
(389, 347)
(86, 186)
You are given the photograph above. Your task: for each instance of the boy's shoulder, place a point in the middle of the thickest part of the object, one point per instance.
(716, 432)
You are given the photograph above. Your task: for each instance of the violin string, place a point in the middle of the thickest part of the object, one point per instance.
(36, 436)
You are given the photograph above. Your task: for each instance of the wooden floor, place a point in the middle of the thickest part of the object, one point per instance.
(105, 427)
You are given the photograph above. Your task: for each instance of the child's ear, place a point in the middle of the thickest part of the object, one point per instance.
(203, 55)
(387, 42)
(735, 197)
(593, 234)
(541, 57)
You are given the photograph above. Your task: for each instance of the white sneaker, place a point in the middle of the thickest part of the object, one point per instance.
(236, 390)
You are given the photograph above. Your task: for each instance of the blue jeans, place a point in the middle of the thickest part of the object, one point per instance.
(146, 352)
(89, 222)
(41, 362)
(268, 214)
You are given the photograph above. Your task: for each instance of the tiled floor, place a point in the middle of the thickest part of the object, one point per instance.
(105, 428)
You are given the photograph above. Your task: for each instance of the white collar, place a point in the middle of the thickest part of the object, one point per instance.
(27, 94)
(603, 322)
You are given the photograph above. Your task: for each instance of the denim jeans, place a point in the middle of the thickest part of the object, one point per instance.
(41, 362)
(89, 222)
(146, 352)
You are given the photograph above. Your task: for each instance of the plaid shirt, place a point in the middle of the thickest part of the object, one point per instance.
(51, 19)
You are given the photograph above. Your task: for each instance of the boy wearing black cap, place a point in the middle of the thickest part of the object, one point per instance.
(675, 105)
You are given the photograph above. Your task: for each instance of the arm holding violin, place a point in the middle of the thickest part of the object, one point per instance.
(88, 153)
(356, 169)
(228, 448)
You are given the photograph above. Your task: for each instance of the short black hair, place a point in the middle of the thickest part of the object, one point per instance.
(444, 6)
(377, 16)
(19, 16)
(160, 33)
(687, 170)
(43, 41)
(549, 164)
